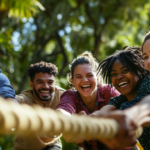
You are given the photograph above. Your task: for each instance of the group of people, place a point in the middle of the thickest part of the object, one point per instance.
(124, 97)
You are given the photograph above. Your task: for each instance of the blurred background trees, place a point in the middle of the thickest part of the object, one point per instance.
(57, 31)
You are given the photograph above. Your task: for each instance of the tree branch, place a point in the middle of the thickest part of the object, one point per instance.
(52, 54)
(89, 14)
(59, 40)
(98, 37)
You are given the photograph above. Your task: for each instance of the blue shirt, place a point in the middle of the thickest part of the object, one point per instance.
(6, 90)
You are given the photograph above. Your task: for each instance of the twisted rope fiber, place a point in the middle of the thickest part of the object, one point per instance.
(44, 121)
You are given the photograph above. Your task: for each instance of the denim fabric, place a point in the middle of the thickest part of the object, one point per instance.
(6, 90)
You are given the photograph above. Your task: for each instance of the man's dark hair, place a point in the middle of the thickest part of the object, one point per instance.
(130, 57)
(42, 67)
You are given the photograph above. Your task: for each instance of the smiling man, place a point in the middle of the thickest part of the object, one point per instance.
(44, 93)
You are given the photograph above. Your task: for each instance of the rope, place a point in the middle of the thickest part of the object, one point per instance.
(45, 121)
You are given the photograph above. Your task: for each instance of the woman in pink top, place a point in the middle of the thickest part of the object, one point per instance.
(88, 94)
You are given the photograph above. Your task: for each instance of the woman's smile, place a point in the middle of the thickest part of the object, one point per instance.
(85, 80)
(124, 80)
(86, 88)
(123, 84)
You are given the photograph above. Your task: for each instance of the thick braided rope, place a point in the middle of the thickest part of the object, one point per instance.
(45, 121)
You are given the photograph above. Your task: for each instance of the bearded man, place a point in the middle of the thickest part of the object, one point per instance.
(45, 93)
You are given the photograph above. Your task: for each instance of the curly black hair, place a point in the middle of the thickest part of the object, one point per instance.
(130, 57)
(42, 67)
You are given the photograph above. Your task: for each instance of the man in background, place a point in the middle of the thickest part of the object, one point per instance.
(45, 93)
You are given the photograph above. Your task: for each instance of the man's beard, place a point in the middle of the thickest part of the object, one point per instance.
(42, 99)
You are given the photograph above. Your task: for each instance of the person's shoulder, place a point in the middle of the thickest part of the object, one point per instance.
(26, 92)
(23, 95)
(107, 91)
(118, 97)
(4, 78)
(146, 78)
(59, 89)
(69, 92)
(105, 87)
(144, 85)
(145, 81)
(117, 101)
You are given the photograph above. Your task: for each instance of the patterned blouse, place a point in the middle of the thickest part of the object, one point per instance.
(121, 102)
(71, 101)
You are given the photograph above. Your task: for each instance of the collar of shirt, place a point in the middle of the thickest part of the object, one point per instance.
(80, 102)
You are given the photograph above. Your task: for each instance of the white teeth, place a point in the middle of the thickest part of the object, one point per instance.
(45, 92)
(122, 83)
(85, 85)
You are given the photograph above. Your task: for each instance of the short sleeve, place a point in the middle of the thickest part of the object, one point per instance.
(6, 90)
(67, 101)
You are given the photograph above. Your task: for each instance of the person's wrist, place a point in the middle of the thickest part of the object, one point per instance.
(97, 114)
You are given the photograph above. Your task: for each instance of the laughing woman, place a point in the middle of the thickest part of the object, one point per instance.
(89, 95)
(125, 70)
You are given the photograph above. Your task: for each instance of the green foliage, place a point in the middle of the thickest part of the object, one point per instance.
(6, 142)
(68, 146)
(19, 8)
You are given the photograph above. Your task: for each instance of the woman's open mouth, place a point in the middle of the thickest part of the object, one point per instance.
(86, 88)
(123, 84)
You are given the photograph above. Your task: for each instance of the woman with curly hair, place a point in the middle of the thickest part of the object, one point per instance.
(125, 70)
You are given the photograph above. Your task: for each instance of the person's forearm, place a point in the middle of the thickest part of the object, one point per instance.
(146, 100)
(140, 113)
(104, 111)
(12, 99)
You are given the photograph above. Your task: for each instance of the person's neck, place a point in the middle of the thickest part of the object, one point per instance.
(90, 101)
(45, 104)
(131, 97)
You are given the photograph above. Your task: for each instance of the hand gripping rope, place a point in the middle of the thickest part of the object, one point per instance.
(45, 121)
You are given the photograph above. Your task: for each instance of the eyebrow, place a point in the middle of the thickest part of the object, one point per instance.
(77, 74)
(120, 69)
(144, 54)
(42, 80)
(80, 74)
